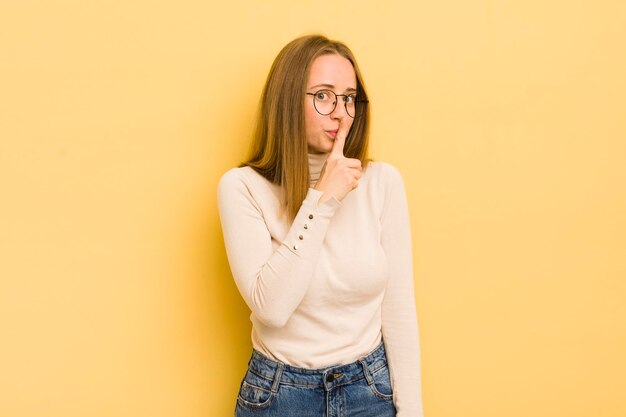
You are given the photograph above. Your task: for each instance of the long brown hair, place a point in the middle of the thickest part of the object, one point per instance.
(279, 147)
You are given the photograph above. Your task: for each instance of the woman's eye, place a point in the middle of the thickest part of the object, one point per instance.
(322, 95)
(350, 99)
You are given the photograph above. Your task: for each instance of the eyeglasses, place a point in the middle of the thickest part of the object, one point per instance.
(325, 102)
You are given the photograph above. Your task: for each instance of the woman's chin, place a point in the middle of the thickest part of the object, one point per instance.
(324, 147)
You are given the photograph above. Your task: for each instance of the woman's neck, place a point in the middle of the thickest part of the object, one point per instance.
(316, 163)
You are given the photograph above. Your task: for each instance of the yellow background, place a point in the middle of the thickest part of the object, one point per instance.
(117, 118)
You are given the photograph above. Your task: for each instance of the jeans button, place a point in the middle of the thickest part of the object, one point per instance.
(332, 377)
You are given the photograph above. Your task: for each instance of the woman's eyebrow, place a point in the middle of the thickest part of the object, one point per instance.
(330, 86)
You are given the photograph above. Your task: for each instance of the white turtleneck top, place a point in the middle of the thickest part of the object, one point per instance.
(327, 287)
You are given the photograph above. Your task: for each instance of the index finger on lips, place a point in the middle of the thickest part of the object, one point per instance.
(340, 141)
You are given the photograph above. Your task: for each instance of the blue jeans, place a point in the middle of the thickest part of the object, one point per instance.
(274, 389)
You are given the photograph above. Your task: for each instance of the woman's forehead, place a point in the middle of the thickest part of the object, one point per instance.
(332, 70)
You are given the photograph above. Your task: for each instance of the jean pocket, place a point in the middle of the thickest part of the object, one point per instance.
(255, 391)
(381, 386)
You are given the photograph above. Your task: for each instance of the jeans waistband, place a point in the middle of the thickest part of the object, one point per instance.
(330, 377)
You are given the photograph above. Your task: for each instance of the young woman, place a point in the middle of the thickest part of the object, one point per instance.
(319, 244)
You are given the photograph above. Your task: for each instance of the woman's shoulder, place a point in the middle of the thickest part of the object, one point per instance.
(237, 178)
(233, 177)
(242, 179)
(236, 174)
(384, 171)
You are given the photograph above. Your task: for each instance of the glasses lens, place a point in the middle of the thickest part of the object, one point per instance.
(356, 108)
(324, 101)
(349, 101)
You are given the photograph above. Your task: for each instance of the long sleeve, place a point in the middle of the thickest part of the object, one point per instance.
(399, 319)
(272, 281)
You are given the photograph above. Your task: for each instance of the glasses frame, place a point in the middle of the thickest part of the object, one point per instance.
(345, 105)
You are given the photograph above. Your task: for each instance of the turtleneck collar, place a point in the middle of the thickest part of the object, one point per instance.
(316, 163)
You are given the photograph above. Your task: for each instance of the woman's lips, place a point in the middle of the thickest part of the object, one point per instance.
(331, 133)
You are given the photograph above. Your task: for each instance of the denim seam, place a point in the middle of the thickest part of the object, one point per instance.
(260, 376)
(372, 383)
(321, 385)
(379, 368)
(256, 387)
(295, 384)
(277, 377)
(264, 404)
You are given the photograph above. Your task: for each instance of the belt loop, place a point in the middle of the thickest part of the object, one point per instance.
(366, 372)
(277, 377)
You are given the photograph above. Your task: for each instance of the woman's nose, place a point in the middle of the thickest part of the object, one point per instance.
(340, 111)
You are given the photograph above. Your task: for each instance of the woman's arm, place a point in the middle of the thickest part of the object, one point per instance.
(272, 282)
(399, 319)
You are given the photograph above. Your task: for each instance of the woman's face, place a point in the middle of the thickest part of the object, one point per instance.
(335, 73)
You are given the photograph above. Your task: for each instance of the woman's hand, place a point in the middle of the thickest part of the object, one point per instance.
(340, 175)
